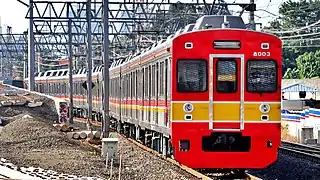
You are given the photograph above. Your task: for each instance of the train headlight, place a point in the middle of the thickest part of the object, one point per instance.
(265, 46)
(188, 107)
(264, 108)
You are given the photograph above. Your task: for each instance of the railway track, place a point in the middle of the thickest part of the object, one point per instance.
(301, 151)
(200, 174)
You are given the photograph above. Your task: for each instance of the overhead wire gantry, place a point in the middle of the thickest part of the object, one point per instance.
(61, 28)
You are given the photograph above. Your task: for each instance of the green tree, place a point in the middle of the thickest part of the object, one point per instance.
(308, 66)
(293, 15)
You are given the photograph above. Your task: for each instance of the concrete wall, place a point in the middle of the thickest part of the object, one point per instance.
(301, 127)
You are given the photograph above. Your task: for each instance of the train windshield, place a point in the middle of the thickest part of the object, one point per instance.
(192, 75)
(262, 76)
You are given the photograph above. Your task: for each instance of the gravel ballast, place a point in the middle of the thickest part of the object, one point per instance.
(34, 142)
(29, 139)
(288, 167)
(139, 164)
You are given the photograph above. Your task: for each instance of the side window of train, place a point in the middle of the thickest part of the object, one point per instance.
(166, 80)
(191, 75)
(226, 75)
(261, 76)
(152, 80)
(161, 79)
(149, 81)
(137, 83)
(143, 83)
(132, 85)
(146, 80)
(119, 88)
(157, 84)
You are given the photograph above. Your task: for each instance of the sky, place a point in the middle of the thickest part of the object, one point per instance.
(12, 13)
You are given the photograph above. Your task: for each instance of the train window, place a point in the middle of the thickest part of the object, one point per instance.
(146, 77)
(149, 82)
(192, 75)
(127, 86)
(153, 76)
(60, 88)
(156, 79)
(132, 84)
(135, 84)
(166, 80)
(262, 76)
(141, 88)
(226, 78)
(161, 79)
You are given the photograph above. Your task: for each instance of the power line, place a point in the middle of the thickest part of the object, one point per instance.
(295, 30)
(300, 35)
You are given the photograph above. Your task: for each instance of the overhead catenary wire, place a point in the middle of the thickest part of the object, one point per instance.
(295, 30)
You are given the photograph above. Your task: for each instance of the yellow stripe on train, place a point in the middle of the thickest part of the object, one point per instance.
(225, 112)
(221, 111)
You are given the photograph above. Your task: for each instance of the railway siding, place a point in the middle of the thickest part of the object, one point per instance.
(301, 151)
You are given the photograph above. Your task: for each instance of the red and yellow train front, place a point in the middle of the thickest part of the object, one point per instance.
(226, 98)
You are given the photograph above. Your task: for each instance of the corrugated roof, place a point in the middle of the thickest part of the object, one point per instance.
(299, 87)
(315, 83)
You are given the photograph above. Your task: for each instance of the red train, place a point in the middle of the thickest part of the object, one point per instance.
(210, 95)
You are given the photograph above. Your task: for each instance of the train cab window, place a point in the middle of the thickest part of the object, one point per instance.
(226, 78)
(262, 76)
(192, 75)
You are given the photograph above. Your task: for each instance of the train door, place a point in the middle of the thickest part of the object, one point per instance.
(226, 92)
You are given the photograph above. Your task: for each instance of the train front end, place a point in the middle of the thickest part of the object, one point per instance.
(226, 98)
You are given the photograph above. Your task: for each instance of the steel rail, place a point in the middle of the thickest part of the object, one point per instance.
(300, 154)
(299, 145)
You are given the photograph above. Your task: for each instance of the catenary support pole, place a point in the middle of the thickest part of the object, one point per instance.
(89, 61)
(251, 17)
(31, 50)
(106, 61)
(70, 65)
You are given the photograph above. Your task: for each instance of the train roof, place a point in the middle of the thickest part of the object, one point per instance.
(217, 22)
(64, 72)
(205, 22)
